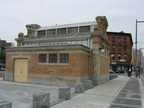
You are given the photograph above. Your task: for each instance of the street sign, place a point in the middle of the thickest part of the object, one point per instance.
(133, 62)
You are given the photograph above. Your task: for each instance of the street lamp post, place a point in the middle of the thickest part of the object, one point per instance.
(136, 45)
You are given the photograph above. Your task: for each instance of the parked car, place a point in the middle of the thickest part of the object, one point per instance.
(111, 71)
(120, 71)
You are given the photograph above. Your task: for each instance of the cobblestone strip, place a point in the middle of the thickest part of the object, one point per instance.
(129, 96)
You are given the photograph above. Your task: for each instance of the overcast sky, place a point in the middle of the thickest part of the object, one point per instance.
(121, 15)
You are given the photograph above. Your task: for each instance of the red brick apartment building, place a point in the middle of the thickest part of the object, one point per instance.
(120, 50)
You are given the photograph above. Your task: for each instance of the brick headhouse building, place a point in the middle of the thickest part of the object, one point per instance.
(61, 54)
(120, 51)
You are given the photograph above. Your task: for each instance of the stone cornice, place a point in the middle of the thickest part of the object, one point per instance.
(47, 48)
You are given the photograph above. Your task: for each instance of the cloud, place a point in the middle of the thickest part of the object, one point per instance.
(15, 14)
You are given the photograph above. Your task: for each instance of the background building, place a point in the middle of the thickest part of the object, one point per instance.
(3, 46)
(140, 59)
(142, 64)
(120, 51)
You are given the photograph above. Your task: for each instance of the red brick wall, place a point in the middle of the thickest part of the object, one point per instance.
(78, 66)
(9, 63)
(116, 43)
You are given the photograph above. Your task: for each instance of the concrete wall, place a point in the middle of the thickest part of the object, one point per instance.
(49, 80)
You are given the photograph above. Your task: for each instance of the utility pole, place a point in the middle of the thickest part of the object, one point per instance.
(136, 45)
(136, 48)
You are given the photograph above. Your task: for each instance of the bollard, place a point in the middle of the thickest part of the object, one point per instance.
(110, 77)
(41, 100)
(5, 104)
(88, 84)
(79, 88)
(64, 93)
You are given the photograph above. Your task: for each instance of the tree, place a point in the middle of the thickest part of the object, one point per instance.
(2, 55)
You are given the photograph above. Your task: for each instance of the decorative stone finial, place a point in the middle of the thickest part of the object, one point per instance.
(20, 35)
(102, 25)
(31, 28)
(19, 39)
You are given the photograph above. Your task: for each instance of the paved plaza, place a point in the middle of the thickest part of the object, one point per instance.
(122, 92)
(21, 95)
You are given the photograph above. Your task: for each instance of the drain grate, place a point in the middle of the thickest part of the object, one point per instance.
(129, 95)
(131, 88)
(121, 106)
(128, 101)
(132, 91)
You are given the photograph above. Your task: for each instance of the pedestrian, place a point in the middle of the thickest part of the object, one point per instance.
(129, 74)
(136, 74)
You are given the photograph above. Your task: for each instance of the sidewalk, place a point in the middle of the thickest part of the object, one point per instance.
(142, 89)
(100, 96)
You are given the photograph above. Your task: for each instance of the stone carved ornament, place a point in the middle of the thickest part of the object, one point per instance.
(102, 25)
(31, 28)
(19, 39)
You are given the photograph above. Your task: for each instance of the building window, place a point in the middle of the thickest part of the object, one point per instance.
(125, 47)
(125, 56)
(51, 32)
(113, 39)
(130, 57)
(52, 58)
(119, 40)
(113, 56)
(125, 40)
(42, 58)
(119, 56)
(41, 33)
(64, 58)
(119, 48)
(61, 31)
(113, 47)
(73, 30)
(84, 29)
